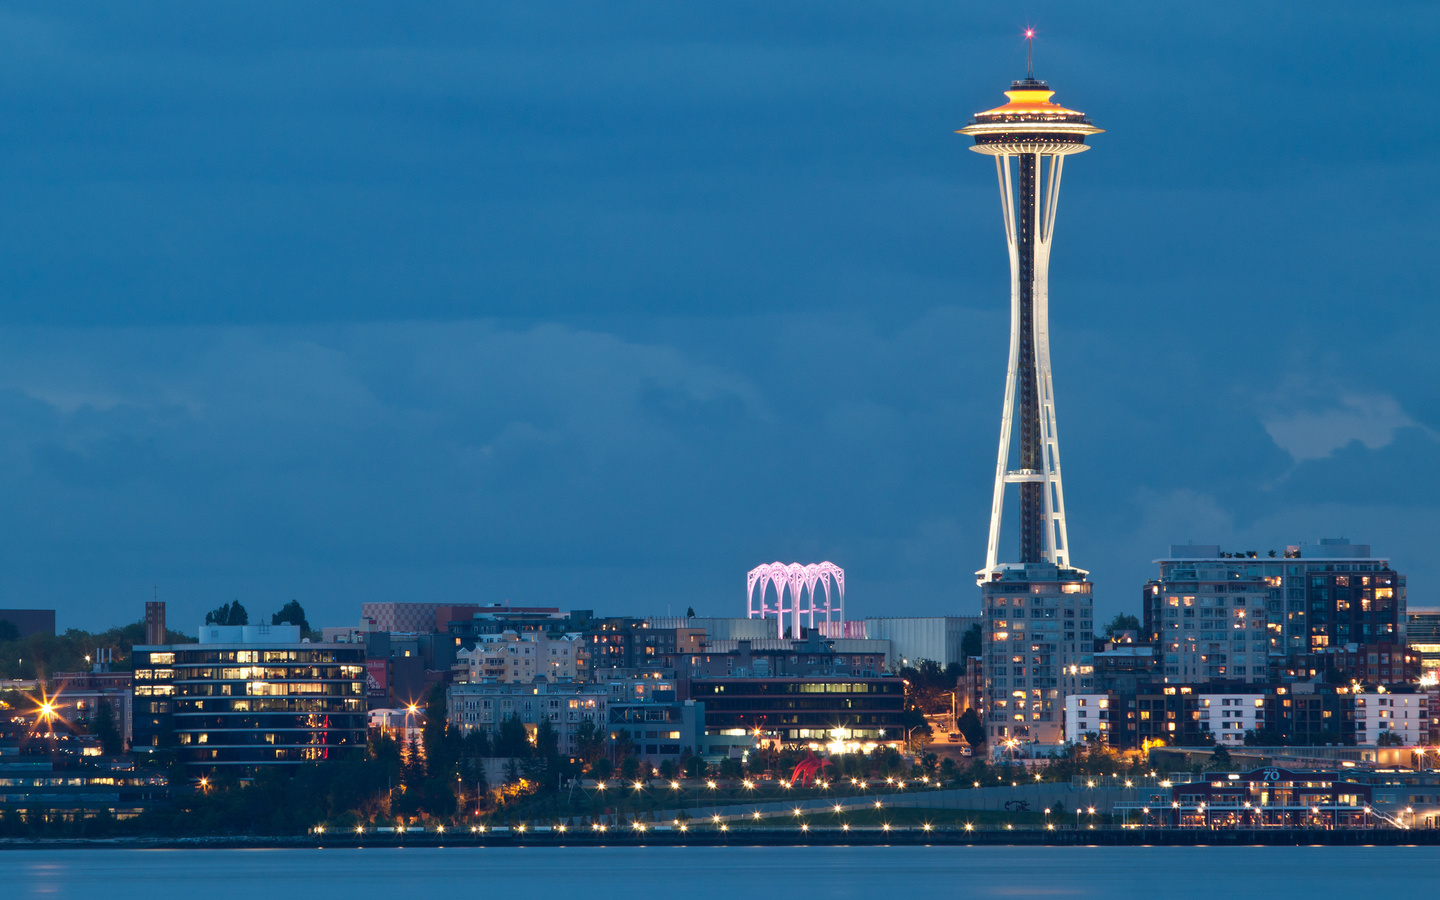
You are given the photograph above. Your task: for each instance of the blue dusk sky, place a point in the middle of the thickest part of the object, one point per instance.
(599, 305)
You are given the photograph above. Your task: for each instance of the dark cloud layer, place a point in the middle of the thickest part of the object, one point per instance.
(602, 305)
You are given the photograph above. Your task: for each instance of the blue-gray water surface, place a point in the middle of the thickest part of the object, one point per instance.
(719, 873)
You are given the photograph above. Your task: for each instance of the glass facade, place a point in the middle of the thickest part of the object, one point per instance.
(248, 705)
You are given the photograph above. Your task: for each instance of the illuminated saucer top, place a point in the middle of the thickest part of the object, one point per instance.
(1029, 123)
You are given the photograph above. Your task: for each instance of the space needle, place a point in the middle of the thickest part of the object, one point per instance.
(1030, 137)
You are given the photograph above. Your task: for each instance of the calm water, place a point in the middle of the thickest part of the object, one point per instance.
(720, 873)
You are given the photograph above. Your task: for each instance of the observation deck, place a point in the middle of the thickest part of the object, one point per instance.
(1030, 123)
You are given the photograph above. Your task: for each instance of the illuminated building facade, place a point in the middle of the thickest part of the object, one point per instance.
(247, 697)
(1209, 620)
(797, 710)
(1038, 612)
(1319, 599)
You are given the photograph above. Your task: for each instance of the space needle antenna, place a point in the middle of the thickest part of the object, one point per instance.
(1030, 53)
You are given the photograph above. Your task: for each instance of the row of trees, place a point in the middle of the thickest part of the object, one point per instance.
(234, 613)
(41, 655)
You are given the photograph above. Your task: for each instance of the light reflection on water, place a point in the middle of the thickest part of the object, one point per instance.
(717, 873)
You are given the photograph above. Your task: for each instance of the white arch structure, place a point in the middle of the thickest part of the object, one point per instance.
(795, 594)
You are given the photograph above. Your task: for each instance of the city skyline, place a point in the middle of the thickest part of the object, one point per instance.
(551, 327)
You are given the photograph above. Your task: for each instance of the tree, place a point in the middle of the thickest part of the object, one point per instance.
(971, 727)
(589, 742)
(917, 730)
(103, 727)
(1122, 622)
(228, 614)
(1265, 737)
(970, 641)
(1389, 739)
(512, 738)
(547, 740)
(1220, 759)
(291, 613)
(689, 612)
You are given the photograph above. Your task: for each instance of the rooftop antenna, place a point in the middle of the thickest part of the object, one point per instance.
(1030, 54)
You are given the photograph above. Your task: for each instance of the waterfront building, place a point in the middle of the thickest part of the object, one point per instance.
(1423, 633)
(34, 787)
(718, 629)
(565, 705)
(1039, 647)
(1126, 667)
(1403, 717)
(1318, 596)
(1038, 612)
(247, 697)
(1265, 797)
(512, 657)
(80, 694)
(912, 639)
(1209, 619)
(1202, 714)
(772, 657)
(797, 711)
(1382, 662)
(660, 728)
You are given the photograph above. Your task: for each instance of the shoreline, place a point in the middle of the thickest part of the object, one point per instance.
(1152, 837)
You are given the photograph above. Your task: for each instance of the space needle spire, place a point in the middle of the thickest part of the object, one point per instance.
(1029, 137)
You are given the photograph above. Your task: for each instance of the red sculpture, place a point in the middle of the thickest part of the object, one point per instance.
(808, 769)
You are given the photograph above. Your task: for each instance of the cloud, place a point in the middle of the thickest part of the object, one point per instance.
(1371, 419)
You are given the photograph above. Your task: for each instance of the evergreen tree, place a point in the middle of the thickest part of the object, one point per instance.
(291, 613)
(228, 614)
(971, 727)
(103, 727)
(511, 738)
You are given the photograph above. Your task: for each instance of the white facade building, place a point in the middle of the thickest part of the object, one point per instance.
(912, 639)
(564, 706)
(514, 658)
(1087, 714)
(1229, 716)
(1404, 715)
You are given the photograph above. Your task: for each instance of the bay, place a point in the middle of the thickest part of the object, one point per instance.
(716, 873)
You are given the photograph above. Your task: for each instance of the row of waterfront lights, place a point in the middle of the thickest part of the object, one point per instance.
(638, 825)
(750, 784)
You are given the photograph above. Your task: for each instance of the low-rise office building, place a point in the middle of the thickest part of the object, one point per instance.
(1270, 796)
(80, 695)
(32, 787)
(803, 710)
(247, 697)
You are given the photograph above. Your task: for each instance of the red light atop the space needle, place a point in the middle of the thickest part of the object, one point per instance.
(1029, 32)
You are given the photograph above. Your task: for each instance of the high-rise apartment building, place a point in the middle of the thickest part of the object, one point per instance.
(1209, 619)
(1317, 598)
(1039, 648)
